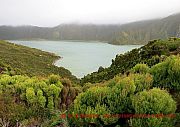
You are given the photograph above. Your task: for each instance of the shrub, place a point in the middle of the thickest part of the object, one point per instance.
(53, 79)
(140, 68)
(92, 102)
(114, 98)
(154, 101)
(39, 95)
(142, 81)
(167, 73)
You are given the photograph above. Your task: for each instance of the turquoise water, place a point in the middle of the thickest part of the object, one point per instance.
(80, 58)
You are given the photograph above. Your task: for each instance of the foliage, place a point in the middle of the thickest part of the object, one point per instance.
(30, 95)
(32, 90)
(125, 87)
(140, 68)
(142, 81)
(17, 59)
(92, 103)
(68, 93)
(154, 101)
(39, 97)
(10, 112)
(167, 73)
(109, 98)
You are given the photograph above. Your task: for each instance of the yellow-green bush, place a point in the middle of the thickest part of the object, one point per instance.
(154, 101)
(167, 73)
(140, 68)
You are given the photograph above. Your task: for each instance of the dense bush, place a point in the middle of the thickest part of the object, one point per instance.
(92, 102)
(37, 97)
(109, 98)
(10, 112)
(143, 81)
(153, 102)
(167, 73)
(140, 68)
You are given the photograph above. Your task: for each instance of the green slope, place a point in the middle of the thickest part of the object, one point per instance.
(32, 62)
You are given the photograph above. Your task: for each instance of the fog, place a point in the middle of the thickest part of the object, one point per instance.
(54, 12)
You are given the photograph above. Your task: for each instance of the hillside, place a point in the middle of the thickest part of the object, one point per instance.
(148, 30)
(152, 53)
(16, 59)
(61, 32)
(132, 33)
(147, 92)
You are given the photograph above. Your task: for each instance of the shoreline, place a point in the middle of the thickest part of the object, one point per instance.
(84, 41)
(59, 58)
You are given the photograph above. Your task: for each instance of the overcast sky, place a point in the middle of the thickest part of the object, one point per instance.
(55, 12)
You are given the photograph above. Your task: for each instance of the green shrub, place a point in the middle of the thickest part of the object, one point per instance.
(167, 73)
(53, 79)
(92, 102)
(142, 81)
(140, 68)
(154, 101)
(114, 98)
(39, 95)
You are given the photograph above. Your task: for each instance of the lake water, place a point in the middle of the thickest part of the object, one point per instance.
(80, 58)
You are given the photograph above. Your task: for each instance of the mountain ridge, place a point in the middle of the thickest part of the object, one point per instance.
(138, 32)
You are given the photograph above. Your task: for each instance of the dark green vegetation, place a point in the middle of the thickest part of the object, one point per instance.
(152, 53)
(144, 82)
(16, 59)
(132, 33)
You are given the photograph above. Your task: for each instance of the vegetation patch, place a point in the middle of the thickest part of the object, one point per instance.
(17, 59)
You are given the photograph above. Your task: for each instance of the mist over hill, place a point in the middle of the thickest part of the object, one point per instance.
(141, 32)
(132, 33)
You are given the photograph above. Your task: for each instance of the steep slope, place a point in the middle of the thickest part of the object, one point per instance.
(131, 33)
(25, 32)
(141, 32)
(61, 32)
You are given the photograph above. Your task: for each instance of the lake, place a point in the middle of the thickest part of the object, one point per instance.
(80, 58)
